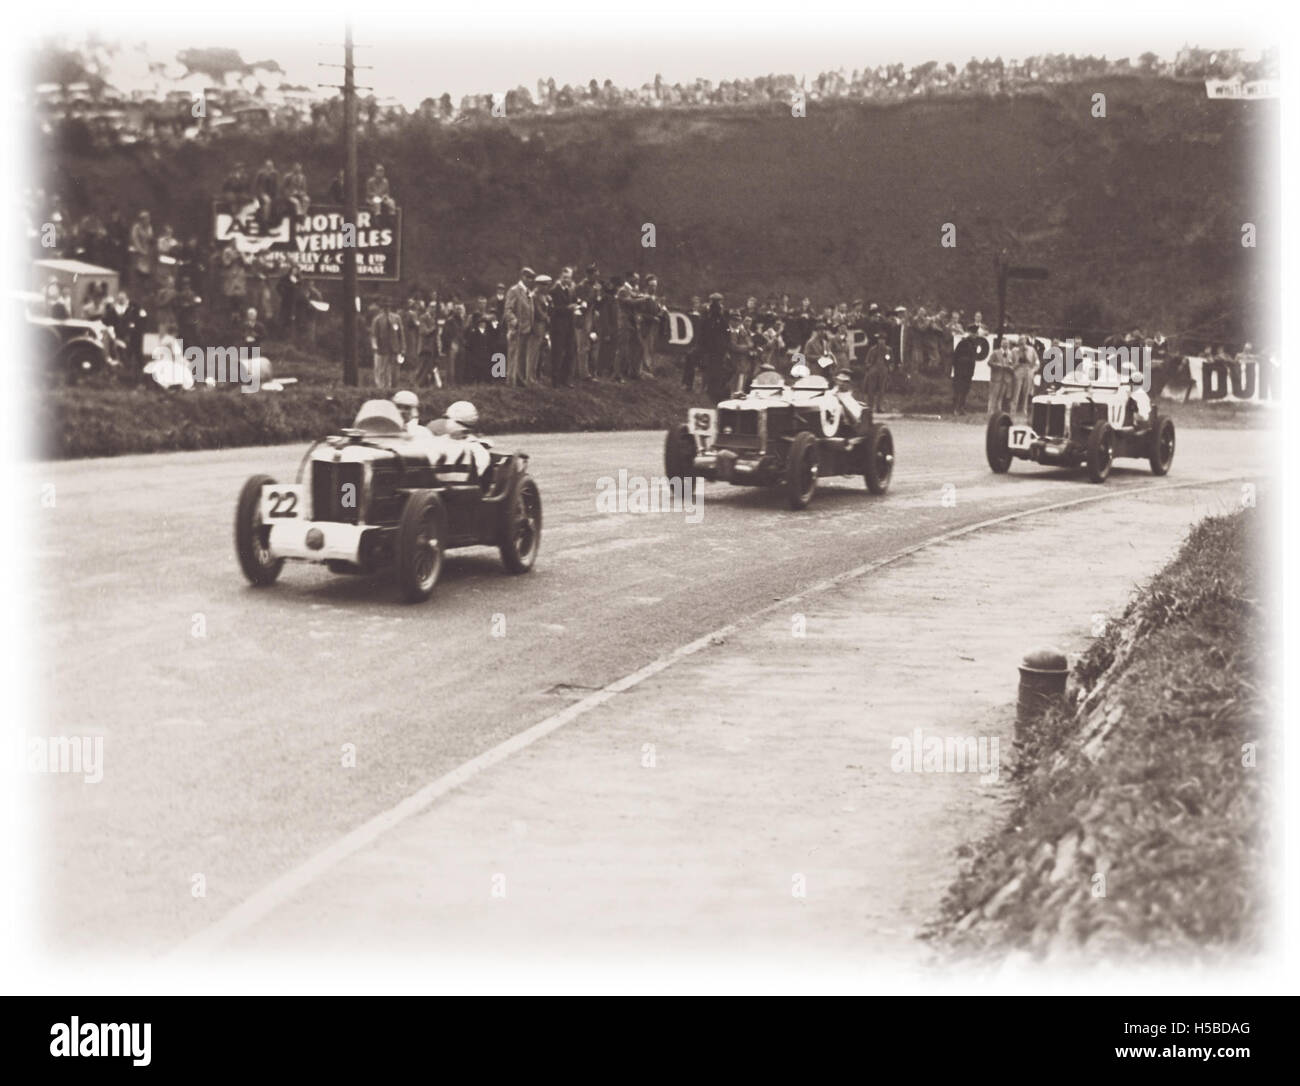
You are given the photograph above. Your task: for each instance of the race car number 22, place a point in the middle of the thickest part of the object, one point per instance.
(281, 502)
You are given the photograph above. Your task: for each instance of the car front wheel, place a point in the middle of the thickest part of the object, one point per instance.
(1101, 452)
(1162, 446)
(801, 470)
(252, 537)
(880, 459)
(679, 453)
(997, 443)
(420, 537)
(523, 533)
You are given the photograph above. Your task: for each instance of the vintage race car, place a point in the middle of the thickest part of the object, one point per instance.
(377, 497)
(1088, 419)
(782, 436)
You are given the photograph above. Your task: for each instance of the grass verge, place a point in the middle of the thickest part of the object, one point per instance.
(82, 422)
(1137, 827)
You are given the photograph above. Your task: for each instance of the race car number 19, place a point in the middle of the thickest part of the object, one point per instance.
(281, 501)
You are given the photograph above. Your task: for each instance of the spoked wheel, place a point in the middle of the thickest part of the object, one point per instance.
(880, 459)
(420, 536)
(1162, 446)
(1101, 452)
(997, 443)
(801, 471)
(252, 537)
(523, 532)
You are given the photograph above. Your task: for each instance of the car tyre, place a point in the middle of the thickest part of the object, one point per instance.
(1101, 452)
(997, 443)
(522, 534)
(880, 459)
(421, 534)
(81, 360)
(679, 453)
(801, 470)
(253, 538)
(1162, 445)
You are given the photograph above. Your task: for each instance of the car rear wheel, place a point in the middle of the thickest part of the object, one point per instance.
(801, 470)
(997, 443)
(1101, 452)
(1162, 445)
(880, 459)
(420, 536)
(523, 534)
(252, 537)
(679, 453)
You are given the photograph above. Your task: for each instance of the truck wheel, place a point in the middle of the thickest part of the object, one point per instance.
(801, 470)
(997, 443)
(1162, 445)
(1101, 452)
(420, 535)
(880, 459)
(523, 529)
(252, 537)
(679, 453)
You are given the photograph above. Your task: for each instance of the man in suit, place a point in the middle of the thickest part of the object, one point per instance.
(519, 324)
(585, 323)
(647, 327)
(626, 363)
(879, 357)
(387, 341)
(541, 300)
(564, 301)
(1000, 378)
(713, 348)
(963, 368)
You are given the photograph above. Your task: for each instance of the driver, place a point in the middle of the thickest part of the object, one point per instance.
(1138, 396)
(844, 393)
(458, 444)
(408, 406)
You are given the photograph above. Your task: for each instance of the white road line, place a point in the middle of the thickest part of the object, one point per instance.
(281, 889)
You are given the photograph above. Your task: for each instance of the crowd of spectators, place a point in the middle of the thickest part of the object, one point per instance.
(107, 116)
(562, 330)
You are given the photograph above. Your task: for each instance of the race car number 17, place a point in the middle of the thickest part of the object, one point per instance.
(1019, 437)
(281, 501)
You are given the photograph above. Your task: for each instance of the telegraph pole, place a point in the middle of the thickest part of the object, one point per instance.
(349, 210)
(349, 89)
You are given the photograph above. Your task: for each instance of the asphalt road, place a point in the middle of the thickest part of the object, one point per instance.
(225, 710)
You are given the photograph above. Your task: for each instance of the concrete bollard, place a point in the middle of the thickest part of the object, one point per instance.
(1042, 684)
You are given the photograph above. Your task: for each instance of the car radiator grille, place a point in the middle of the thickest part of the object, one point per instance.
(1049, 419)
(737, 429)
(329, 499)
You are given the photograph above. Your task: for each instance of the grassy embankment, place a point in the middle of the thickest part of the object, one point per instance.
(1137, 827)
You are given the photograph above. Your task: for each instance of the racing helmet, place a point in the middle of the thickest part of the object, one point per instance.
(798, 370)
(407, 403)
(464, 413)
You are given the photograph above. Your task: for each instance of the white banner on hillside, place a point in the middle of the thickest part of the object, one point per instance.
(1239, 88)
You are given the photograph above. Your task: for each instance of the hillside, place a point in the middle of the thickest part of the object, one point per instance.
(1138, 215)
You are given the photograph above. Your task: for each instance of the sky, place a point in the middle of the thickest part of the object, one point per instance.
(418, 55)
